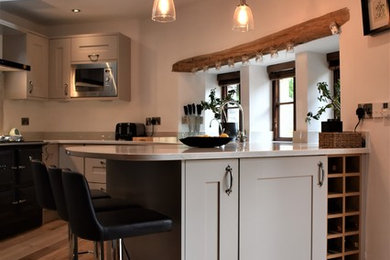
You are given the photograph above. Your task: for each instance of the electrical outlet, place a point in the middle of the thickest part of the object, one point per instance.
(25, 121)
(153, 121)
(156, 120)
(386, 110)
(367, 110)
(377, 110)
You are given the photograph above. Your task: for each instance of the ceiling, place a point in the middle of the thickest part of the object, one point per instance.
(59, 11)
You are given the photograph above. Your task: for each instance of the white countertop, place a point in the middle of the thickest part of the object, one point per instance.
(144, 151)
(106, 142)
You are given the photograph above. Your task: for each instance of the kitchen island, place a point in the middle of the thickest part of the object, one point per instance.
(240, 201)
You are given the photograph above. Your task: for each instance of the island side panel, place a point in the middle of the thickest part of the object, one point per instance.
(153, 185)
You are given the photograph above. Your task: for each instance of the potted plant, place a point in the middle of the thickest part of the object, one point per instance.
(333, 101)
(214, 104)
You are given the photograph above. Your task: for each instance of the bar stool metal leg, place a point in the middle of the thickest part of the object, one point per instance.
(75, 247)
(99, 250)
(117, 249)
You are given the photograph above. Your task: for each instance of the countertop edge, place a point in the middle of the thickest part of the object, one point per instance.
(202, 154)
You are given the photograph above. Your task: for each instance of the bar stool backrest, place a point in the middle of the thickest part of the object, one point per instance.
(55, 177)
(43, 191)
(82, 218)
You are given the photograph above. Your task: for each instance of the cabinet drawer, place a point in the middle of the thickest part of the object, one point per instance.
(94, 48)
(97, 186)
(95, 170)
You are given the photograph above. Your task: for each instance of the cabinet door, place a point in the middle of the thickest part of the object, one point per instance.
(24, 175)
(283, 208)
(95, 170)
(60, 68)
(6, 168)
(95, 48)
(211, 224)
(38, 58)
(71, 162)
(50, 154)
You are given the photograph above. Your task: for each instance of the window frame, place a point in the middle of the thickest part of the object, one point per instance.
(225, 80)
(276, 108)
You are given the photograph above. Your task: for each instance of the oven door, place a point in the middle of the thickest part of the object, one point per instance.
(94, 80)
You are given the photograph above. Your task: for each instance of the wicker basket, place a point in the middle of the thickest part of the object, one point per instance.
(340, 140)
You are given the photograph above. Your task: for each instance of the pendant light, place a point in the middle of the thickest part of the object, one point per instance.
(163, 11)
(243, 18)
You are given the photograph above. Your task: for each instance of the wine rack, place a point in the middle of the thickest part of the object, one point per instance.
(344, 200)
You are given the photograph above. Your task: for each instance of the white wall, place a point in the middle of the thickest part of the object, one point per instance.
(365, 77)
(311, 68)
(256, 97)
(205, 27)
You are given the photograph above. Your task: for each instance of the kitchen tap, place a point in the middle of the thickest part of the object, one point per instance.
(219, 124)
(241, 134)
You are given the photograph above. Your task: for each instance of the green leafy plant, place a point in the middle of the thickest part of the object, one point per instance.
(333, 101)
(214, 103)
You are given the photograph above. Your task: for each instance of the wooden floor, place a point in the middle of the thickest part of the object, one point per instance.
(45, 243)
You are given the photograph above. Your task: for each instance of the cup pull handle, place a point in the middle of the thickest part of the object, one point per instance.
(93, 57)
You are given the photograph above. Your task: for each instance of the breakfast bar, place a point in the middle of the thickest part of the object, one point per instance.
(236, 201)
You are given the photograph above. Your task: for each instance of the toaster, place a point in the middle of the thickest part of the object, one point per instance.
(126, 131)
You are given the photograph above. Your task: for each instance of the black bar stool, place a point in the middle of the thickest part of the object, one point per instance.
(107, 225)
(100, 204)
(43, 191)
(53, 198)
(41, 180)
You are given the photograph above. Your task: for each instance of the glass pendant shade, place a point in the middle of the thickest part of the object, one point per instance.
(163, 11)
(243, 18)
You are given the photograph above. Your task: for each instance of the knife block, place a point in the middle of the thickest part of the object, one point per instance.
(193, 123)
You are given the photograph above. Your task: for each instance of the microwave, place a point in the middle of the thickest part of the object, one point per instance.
(94, 80)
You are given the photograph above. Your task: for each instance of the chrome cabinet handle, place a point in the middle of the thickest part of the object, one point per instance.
(321, 174)
(66, 89)
(30, 87)
(21, 167)
(93, 57)
(229, 179)
(17, 202)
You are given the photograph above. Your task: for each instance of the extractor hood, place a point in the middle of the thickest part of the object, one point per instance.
(6, 65)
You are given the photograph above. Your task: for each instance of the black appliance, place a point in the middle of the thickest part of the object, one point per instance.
(126, 131)
(19, 210)
(6, 65)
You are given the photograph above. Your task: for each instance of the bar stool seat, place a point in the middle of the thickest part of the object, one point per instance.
(107, 225)
(99, 194)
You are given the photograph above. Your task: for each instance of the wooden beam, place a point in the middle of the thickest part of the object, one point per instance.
(301, 33)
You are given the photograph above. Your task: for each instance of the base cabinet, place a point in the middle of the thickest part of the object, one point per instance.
(19, 210)
(211, 224)
(93, 169)
(283, 208)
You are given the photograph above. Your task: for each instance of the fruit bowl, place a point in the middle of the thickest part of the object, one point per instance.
(205, 142)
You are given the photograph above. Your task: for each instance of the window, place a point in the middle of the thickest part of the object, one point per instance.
(283, 100)
(334, 65)
(231, 82)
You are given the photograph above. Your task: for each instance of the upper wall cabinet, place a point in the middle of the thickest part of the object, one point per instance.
(69, 53)
(94, 49)
(32, 50)
(59, 76)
